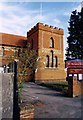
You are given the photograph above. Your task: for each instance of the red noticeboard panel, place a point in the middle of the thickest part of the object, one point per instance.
(71, 64)
(74, 66)
(75, 71)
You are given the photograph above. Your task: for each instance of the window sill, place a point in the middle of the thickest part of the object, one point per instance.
(51, 67)
(1, 55)
(51, 47)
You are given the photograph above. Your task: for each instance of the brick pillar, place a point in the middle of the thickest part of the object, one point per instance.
(82, 88)
(76, 87)
(70, 86)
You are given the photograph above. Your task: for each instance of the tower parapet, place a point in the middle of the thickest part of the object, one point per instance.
(45, 27)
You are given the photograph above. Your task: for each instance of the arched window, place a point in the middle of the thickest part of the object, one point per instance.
(56, 61)
(19, 52)
(15, 51)
(52, 58)
(51, 43)
(47, 61)
(2, 51)
(32, 44)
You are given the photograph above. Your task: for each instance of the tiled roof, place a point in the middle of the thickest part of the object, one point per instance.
(13, 40)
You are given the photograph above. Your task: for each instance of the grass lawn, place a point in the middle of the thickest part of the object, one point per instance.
(61, 86)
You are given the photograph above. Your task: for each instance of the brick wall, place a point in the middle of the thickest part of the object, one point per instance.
(75, 87)
(41, 35)
(27, 112)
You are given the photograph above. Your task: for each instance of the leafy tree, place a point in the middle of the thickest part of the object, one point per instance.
(75, 38)
(81, 32)
(27, 62)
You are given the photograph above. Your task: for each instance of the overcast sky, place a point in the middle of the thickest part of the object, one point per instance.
(19, 17)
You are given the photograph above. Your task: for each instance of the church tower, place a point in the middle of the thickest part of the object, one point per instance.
(48, 41)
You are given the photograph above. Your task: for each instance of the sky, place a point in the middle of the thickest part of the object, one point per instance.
(19, 17)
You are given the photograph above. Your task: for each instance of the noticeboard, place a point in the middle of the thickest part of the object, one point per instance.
(73, 64)
(75, 71)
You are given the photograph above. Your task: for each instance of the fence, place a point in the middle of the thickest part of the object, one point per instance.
(9, 108)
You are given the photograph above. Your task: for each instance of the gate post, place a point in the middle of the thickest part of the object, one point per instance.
(70, 86)
(74, 86)
(16, 110)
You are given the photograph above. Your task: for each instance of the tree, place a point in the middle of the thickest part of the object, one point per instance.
(27, 62)
(75, 38)
(81, 32)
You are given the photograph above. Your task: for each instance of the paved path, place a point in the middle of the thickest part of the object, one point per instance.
(49, 103)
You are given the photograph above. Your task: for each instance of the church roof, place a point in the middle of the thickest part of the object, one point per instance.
(12, 40)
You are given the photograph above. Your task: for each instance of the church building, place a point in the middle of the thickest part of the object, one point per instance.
(48, 41)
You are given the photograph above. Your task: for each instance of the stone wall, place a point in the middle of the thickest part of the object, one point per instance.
(6, 98)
